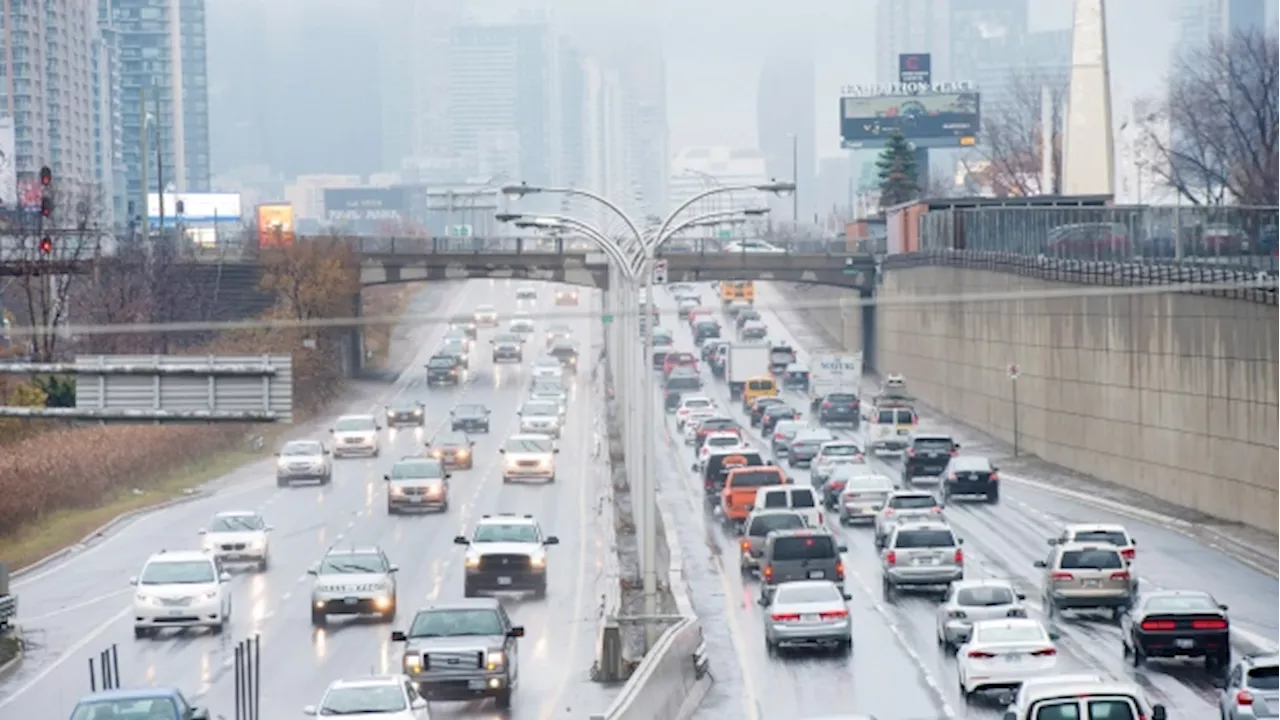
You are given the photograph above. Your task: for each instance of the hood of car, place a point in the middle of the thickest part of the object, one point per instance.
(250, 536)
(506, 548)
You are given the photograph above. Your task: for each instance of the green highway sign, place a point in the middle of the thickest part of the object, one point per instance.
(606, 319)
(460, 231)
(725, 233)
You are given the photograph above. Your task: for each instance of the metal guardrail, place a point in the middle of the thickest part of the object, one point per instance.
(410, 246)
(1237, 282)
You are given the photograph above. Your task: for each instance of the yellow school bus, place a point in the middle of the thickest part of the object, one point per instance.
(731, 290)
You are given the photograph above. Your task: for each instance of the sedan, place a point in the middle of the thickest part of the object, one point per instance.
(1000, 654)
(384, 697)
(548, 368)
(454, 450)
(1177, 624)
(405, 412)
(759, 406)
(807, 612)
(471, 418)
(806, 446)
(970, 601)
(774, 414)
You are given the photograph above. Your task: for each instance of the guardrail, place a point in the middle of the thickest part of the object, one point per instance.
(411, 246)
(8, 610)
(1219, 279)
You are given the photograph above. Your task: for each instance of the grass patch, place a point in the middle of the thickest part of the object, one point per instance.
(381, 301)
(65, 528)
(9, 647)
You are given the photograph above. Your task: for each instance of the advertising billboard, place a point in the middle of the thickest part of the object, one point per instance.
(915, 68)
(197, 208)
(933, 120)
(275, 225)
(362, 205)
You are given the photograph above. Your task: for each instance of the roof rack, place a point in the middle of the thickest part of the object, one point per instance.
(530, 517)
(485, 517)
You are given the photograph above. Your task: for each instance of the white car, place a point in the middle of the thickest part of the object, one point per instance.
(548, 369)
(521, 324)
(541, 417)
(388, 697)
(486, 316)
(752, 247)
(719, 443)
(303, 460)
(547, 391)
(238, 536)
(1002, 653)
(529, 457)
(356, 435)
(690, 405)
(832, 454)
(181, 589)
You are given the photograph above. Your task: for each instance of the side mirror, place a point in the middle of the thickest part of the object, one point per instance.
(313, 571)
(133, 581)
(847, 597)
(1223, 608)
(1159, 713)
(791, 480)
(203, 713)
(959, 541)
(201, 531)
(309, 710)
(1055, 636)
(516, 632)
(330, 431)
(1020, 596)
(842, 548)
(1133, 541)
(995, 469)
(750, 507)
(460, 540)
(386, 477)
(956, 446)
(694, 467)
(377, 427)
(448, 476)
(398, 636)
(762, 601)
(224, 577)
(1039, 563)
(1005, 698)
(1052, 541)
(502, 451)
(418, 704)
(553, 540)
(324, 451)
(471, 443)
(393, 569)
(555, 451)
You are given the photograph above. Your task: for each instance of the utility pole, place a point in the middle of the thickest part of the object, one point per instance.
(145, 155)
(159, 166)
(795, 178)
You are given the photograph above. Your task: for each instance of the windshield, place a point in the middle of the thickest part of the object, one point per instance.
(1109, 537)
(351, 424)
(817, 547)
(146, 709)
(781, 356)
(800, 594)
(908, 539)
(455, 623)
(507, 340)
(468, 410)
(1091, 560)
(841, 398)
(301, 448)
(364, 700)
(933, 444)
(1009, 634)
(756, 478)
(841, 450)
(696, 403)
(441, 362)
(236, 523)
(683, 382)
(984, 596)
(764, 524)
(405, 470)
(1265, 678)
(541, 409)
(178, 573)
(912, 502)
(853, 481)
(1182, 604)
(528, 445)
(506, 533)
(727, 441)
(352, 563)
(548, 364)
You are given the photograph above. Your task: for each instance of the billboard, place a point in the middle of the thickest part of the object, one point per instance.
(928, 120)
(915, 68)
(275, 225)
(197, 208)
(8, 164)
(366, 204)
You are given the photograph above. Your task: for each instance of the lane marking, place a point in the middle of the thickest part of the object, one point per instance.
(70, 608)
(75, 648)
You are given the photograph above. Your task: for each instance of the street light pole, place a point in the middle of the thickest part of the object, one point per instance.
(795, 178)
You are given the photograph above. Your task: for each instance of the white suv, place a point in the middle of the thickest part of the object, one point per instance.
(181, 589)
(238, 536)
(529, 457)
(356, 435)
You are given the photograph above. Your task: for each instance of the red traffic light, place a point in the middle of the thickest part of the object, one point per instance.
(46, 245)
(46, 206)
(46, 176)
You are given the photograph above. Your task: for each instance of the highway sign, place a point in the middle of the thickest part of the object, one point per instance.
(460, 231)
(725, 234)
(606, 319)
(659, 272)
(193, 388)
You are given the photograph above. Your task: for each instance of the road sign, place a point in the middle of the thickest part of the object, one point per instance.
(659, 272)
(725, 234)
(460, 231)
(606, 319)
(1013, 371)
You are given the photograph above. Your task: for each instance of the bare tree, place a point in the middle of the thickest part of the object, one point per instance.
(1213, 139)
(1012, 144)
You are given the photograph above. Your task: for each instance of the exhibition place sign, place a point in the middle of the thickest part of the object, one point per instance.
(876, 90)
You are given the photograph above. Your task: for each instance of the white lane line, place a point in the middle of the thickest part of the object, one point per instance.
(69, 608)
(67, 654)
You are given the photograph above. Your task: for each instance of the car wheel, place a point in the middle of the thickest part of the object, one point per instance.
(217, 628)
(280, 482)
(391, 510)
(993, 498)
(468, 590)
(846, 646)
(502, 700)
(141, 632)
(540, 592)
(886, 589)
(506, 479)
(1137, 657)
(318, 619)
(263, 564)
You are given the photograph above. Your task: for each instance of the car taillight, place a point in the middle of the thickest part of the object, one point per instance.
(1209, 624)
(994, 476)
(1047, 652)
(1128, 553)
(1062, 576)
(1244, 697)
(779, 436)
(935, 510)
(1151, 625)
(768, 572)
(859, 458)
(746, 545)
(957, 615)
(826, 405)
(953, 476)
(834, 615)
(955, 452)
(981, 655)
(891, 557)
(787, 617)
(839, 571)
(888, 512)
(959, 556)
(911, 452)
(1119, 576)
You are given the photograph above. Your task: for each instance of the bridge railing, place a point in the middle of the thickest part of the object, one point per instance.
(534, 245)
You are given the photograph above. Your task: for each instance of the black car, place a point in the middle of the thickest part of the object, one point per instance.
(704, 329)
(567, 354)
(773, 414)
(971, 475)
(470, 418)
(466, 323)
(404, 412)
(928, 456)
(444, 370)
(1177, 623)
(453, 450)
(508, 347)
(671, 400)
(838, 409)
(757, 408)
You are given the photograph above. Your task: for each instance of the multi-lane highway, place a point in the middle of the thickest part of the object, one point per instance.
(78, 607)
(897, 670)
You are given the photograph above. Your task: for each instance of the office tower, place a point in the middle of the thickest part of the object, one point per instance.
(1202, 21)
(907, 26)
(785, 107)
(162, 50)
(643, 86)
(569, 115)
(108, 132)
(48, 86)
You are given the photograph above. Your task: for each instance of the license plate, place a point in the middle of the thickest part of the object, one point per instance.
(1091, 583)
(810, 618)
(475, 684)
(1184, 643)
(504, 581)
(926, 561)
(175, 613)
(1013, 658)
(904, 431)
(233, 556)
(817, 574)
(415, 498)
(350, 601)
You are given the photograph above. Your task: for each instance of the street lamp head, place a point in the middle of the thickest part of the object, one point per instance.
(539, 224)
(756, 212)
(507, 217)
(776, 187)
(518, 191)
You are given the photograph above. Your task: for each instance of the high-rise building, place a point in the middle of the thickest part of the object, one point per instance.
(569, 115)
(162, 49)
(1201, 21)
(785, 123)
(108, 131)
(910, 26)
(609, 168)
(47, 86)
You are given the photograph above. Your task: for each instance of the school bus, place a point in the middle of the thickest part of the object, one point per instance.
(731, 290)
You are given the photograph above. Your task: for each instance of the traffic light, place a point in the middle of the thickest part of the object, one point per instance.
(46, 206)
(46, 176)
(46, 245)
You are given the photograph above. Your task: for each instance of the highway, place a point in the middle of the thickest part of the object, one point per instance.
(897, 670)
(76, 608)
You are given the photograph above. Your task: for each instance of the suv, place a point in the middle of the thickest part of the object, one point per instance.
(783, 433)
(356, 435)
(971, 475)
(471, 418)
(529, 457)
(416, 483)
(444, 370)
(757, 527)
(303, 460)
(507, 347)
(465, 323)
(462, 650)
(1253, 682)
(924, 553)
(1086, 576)
(506, 552)
(808, 554)
(840, 407)
(405, 412)
(353, 581)
(181, 589)
(905, 505)
(540, 417)
(927, 456)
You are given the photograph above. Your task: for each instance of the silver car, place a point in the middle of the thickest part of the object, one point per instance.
(463, 650)
(920, 554)
(1251, 689)
(807, 612)
(783, 433)
(541, 417)
(806, 445)
(353, 581)
(863, 496)
(905, 505)
(554, 392)
(969, 601)
(303, 460)
(1086, 576)
(356, 435)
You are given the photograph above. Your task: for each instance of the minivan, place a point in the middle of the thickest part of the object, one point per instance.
(1086, 576)
(757, 528)
(798, 499)
(791, 555)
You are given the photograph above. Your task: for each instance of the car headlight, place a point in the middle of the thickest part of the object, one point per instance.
(418, 411)
(494, 659)
(208, 544)
(211, 594)
(473, 561)
(142, 599)
(464, 453)
(436, 453)
(538, 561)
(412, 663)
(397, 490)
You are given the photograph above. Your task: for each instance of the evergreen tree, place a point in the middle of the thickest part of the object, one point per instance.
(896, 168)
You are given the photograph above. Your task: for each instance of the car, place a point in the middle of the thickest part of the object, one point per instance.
(928, 455)
(808, 612)
(759, 524)
(783, 433)
(454, 449)
(460, 350)
(165, 703)
(528, 457)
(796, 555)
(181, 589)
(831, 454)
(695, 419)
(760, 405)
(902, 505)
(923, 553)
(547, 368)
(1109, 533)
(521, 324)
(457, 336)
(970, 601)
(971, 475)
(684, 306)
(659, 356)
(774, 414)
(558, 332)
(566, 297)
(688, 405)
(1250, 691)
(1084, 699)
(444, 370)
(746, 314)
(463, 649)
(675, 359)
(804, 448)
(553, 392)
(1086, 576)
(715, 423)
(1177, 624)
(506, 552)
(860, 493)
(526, 292)
(1000, 654)
(566, 353)
(661, 336)
(796, 376)
(753, 330)
(1031, 687)
(720, 443)
(706, 329)
(356, 435)
(682, 379)
(486, 316)
(894, 382)
(403, 411)
(353, 581)
(417, 483)
(752, 247)
(507, 347)
(541, 417)
(238, 536)
(387, 697)
(466, 323)
(303, 460)
(470, 418)
(838, 408)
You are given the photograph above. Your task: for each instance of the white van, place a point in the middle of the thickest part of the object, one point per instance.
(800, 500)
(863, 496)
(889, 428)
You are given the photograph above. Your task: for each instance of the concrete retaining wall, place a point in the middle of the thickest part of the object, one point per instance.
(1174, 395)
(835, 311)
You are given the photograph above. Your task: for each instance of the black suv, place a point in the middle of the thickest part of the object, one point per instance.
(971, 475)
(567, 354)
(928, 456)
(471, 418)
(838, 408)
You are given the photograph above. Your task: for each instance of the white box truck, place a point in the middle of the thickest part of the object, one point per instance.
(744, 362)
(835, 384)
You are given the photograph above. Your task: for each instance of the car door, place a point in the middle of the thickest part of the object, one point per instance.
(510, 648)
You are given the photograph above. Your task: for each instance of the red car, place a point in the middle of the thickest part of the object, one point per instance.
(679, 359)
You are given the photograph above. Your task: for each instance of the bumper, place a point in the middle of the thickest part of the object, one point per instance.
(924, 576)
(524, 473)
(417, 502)
(840, 417)
(1006, 675)
(461, 685)
(1171, 645)
(1084, 601)
(859, 513)
(471, 426)
(198, 614)
(353, 606)
(308, 474)
(246, 555)
(508, 357)
(956, 632)
(800, 457)
(394, 420)
(924, 469)
(820, 633)
(442, 379)
(568, 300)
(457, 462)
(506, 579)
(972, 487)
(552, 430)
(346, 449)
